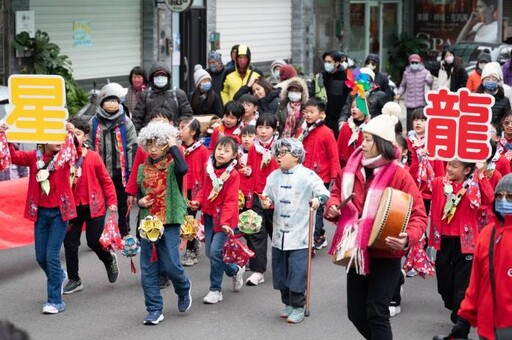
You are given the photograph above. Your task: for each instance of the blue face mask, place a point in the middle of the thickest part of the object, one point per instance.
(328, 67)
(490, 85)
(213, 68)
(206, 86)
(503, 207)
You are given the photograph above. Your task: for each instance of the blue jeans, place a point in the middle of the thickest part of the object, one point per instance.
(168, 251)
(214, 246)
(49, 234)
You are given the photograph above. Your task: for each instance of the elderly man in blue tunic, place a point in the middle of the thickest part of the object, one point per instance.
(292, 189)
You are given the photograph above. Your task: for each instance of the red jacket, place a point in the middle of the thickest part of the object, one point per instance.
(196, 161)
(503, 165)
(464, 223)
(59, 179)
(259, 175)
(345, 150)
(321, 153)
(245, 181)
(401, 181)
(216, 135)
(438, 166)
(477, 306)
(225, 206)
(98, 182)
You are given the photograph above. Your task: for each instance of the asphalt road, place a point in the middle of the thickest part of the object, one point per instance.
(116, 311)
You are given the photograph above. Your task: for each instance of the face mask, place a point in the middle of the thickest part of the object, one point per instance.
(160, 81)
(137, 83)
(294, 96)
(490, 85)
(111, 106)
(206, 86)
(414, 67)
(344, 65)
(481, 65)
(213, 68)
(328, 67)
(503, 207)
(371, 67)
(448, 60)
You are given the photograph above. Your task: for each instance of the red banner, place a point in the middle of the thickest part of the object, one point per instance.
(15, 230)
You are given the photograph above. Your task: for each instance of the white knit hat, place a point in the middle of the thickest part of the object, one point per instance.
(200, 74)
(492, 69)
(392, 108)
(382, 126)
(367, 71)
(112, 90)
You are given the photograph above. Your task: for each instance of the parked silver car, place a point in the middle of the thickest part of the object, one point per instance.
(469, 52)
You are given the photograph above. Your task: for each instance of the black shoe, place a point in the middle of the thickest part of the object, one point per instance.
(112, 269)
(447, 337)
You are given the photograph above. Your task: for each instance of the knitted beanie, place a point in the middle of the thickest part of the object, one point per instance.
(492, 70)
(382, 126)
(286, 72)
(112, 90)
(200, 74)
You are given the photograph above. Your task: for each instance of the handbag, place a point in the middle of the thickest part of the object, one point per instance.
(499, 333)
(236, 252)
(110, 238)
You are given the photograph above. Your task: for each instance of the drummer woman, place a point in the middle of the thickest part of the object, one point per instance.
(374, 274)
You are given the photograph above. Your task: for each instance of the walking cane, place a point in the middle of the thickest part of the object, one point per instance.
(310, 246)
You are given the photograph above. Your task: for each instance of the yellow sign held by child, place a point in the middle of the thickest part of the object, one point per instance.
(39, 109)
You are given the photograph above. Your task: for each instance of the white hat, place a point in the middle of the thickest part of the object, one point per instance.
(368, 71)
(112, 90)
(492, 69)
(392, 108)
(200, 74)
(382, 126)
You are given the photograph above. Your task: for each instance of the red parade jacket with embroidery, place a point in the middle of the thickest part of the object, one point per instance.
(321, 153)
(401, 181)
(345, 150)
(503, 165)
(216, 135)
(97, 181)
(437, 165)
(196, 161)
(477, 306)
(259, 175)
(225, 206)
(59, 182)
(464, 223)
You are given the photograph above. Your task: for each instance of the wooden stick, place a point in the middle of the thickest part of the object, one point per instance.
(310, 248)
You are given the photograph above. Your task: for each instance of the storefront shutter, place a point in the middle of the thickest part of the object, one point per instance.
(115, 34)
(264, 25)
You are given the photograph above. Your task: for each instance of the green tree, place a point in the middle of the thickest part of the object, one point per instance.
(403, 46)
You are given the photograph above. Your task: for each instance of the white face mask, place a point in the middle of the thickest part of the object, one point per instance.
(344, 65)
(160, 81)
(276, 74)
(294, 96)
(371, 67)
(481, 65)
(415, 66)
(448, 59)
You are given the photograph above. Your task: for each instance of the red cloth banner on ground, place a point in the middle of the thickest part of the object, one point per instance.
(458, 125)
(15, 230)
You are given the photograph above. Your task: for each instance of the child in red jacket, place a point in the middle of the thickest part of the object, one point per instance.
(218, 199)
(90, 181)
(259, 166)
(50, 205)
(321, 156)
(350, 136)
(233, 112)
(196, 155)
(457, 199)
(248, 135)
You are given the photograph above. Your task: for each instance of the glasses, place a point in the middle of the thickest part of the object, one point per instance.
(503, 195)
(282, 152)
(414, 62)
(111, 100)
(507, 123)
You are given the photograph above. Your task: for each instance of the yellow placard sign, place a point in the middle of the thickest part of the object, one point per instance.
(39, 109)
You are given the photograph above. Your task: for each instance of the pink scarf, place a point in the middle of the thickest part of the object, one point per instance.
(351, 233)
(292, 119)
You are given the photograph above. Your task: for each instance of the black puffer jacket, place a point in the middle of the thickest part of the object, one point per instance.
(381, 78)
(267, 104)
(501, 104)
(172, 98)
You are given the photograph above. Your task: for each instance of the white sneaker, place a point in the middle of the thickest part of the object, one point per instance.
(394, 310)
(213, 297)
(255, 279)
(238, 279)
(187, 260)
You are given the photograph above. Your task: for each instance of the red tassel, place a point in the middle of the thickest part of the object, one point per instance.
(154, 256)
(134, 270)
